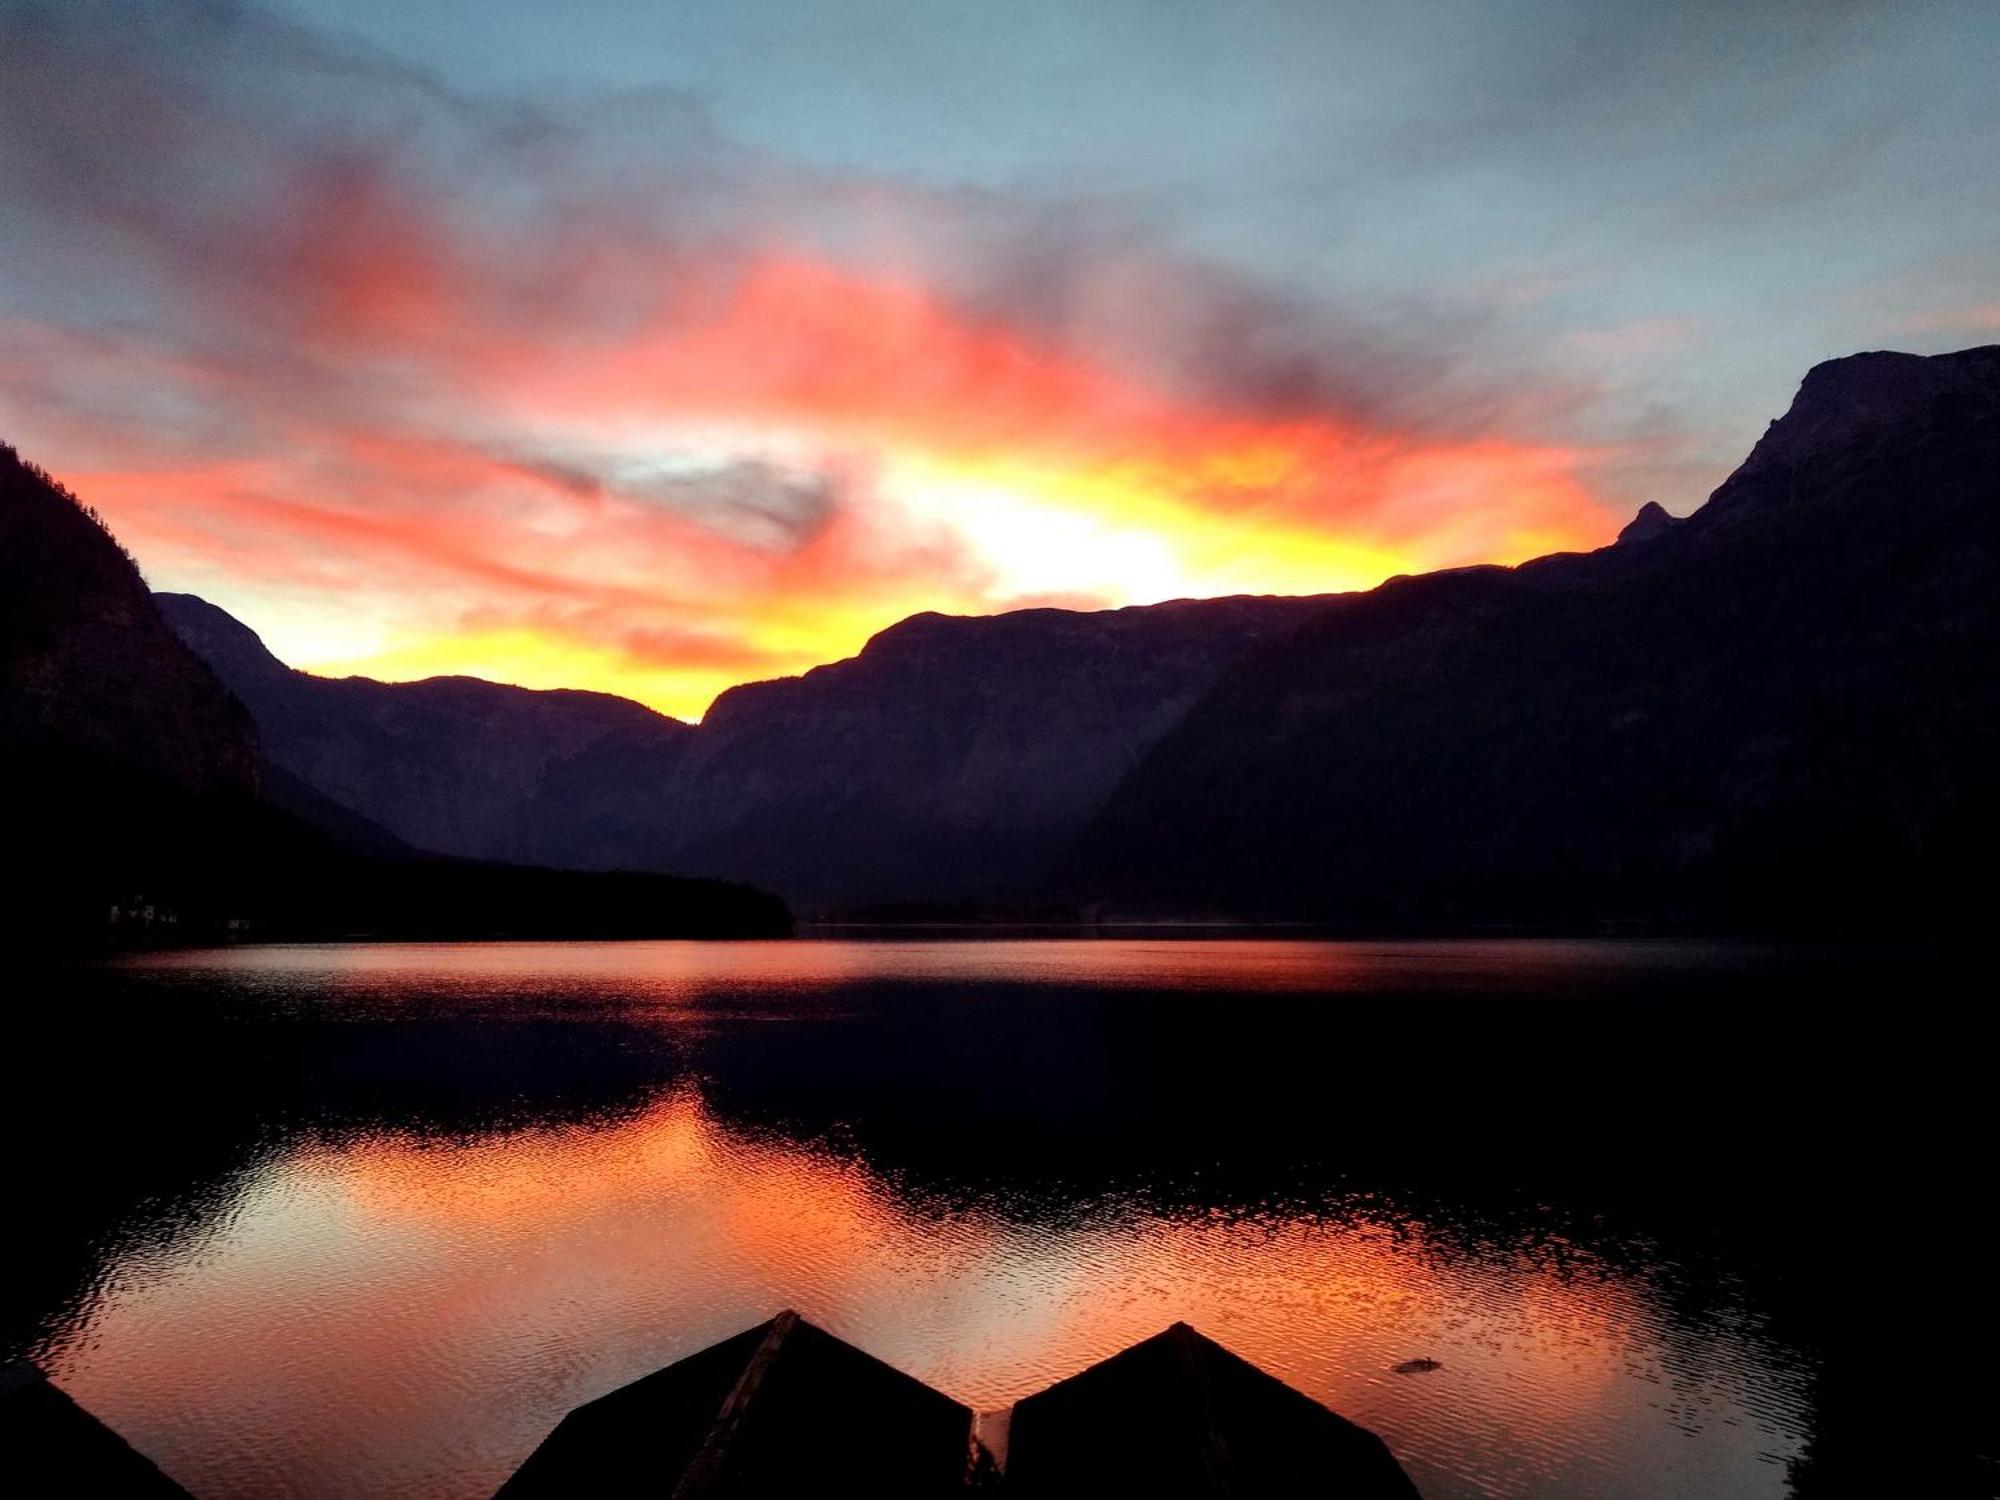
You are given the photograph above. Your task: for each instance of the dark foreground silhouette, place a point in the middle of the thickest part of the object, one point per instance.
(786, 1409)
(1783, 1147)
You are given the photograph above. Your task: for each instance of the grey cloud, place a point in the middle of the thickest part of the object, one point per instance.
(754, 501)
(1285, 207)
(191, 130)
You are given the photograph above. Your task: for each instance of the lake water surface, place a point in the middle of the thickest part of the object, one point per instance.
(367, 1220)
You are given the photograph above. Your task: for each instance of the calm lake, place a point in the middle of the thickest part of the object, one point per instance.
(367, 1220)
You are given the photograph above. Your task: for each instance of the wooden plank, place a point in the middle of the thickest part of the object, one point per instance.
(707, 1464)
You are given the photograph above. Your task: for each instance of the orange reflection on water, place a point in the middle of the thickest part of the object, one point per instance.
(401, 1316)
(651, 976)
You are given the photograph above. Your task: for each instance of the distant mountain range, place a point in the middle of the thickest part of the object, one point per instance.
(453, 765)
(1778, 711)
(953, 759)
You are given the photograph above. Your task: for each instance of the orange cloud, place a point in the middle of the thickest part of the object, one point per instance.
(407, 438)
(968, 466)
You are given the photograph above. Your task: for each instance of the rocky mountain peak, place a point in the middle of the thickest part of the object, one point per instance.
(1847, 403)
(1654, 519)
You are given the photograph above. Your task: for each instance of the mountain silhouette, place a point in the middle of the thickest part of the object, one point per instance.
(88, 669)
(453, 765)
(952, 759)
(119, 749)
(1780, 711)
(140, 807)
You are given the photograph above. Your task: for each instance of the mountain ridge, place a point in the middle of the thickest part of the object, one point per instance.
(1689, 731)
(992, 746)
(1024, 757)
(453, 765)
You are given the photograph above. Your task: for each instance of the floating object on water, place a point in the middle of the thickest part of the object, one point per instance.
(1418, 1366)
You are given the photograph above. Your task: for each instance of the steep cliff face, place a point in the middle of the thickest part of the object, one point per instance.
(454, 765)
(954, 757)
(1850, 413)
(88, 669)
(1781, 709)
(118, 748)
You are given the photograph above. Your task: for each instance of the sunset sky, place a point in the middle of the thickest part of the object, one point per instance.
(657, 347)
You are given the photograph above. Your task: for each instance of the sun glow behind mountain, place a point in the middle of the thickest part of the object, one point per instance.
(759, 474)
(417, 383)
(698, 356)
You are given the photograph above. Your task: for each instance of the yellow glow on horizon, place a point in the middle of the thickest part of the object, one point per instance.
(758, 476)
(783, 638)
(1112, 534)
(526, 658)
(1033, 530)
